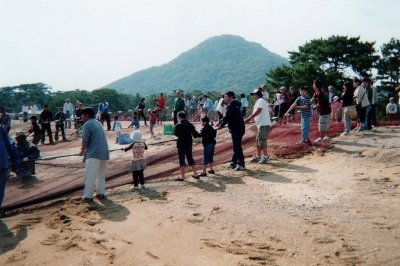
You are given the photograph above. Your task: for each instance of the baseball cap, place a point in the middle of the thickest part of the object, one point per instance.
(256, 92)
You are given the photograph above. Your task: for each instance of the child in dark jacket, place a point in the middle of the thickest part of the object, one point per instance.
(184, 130)
(35, 129)
(208, 134)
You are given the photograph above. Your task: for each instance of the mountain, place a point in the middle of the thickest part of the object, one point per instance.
(218, 63)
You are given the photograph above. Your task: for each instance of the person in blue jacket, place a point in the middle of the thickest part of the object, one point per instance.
(7, 150)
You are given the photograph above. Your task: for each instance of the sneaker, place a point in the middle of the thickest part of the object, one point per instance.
(232, 166)
(255, 159)
(240, 168)
(134, 188)
(203, 174)
(264, 160)
(326, 138)
(345, 134)
(318, 140)
(142, 187)
(87, 200)
(211, 172)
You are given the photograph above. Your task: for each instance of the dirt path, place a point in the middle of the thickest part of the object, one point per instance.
(342, 208)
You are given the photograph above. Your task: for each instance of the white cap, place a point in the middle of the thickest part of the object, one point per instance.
(136, 136)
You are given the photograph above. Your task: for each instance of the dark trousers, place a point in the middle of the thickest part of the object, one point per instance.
(3, 182)
(372, 116)
(138, 177)
(141, 114)
(25, 117)
(58, 128)
(244, 111)
(175, 118)
(46, 127)
(238, 157)
(187, 152)
(106, 117)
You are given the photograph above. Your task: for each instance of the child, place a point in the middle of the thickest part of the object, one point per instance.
(152, 120)
(117, 127)
(35, 129)
(304, 105)
(208, 134)
(135, 121)
(202, 112)
(138, 165)
(336, 106)
(184, 130)
(391, 110)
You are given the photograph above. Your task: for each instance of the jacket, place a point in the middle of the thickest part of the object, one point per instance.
(184, 130)
(234, 118)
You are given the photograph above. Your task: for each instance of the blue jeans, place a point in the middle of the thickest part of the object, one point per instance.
(305, 127)
(347, 123)
(237, 157)
(208, 153)
(3, 182)
(366, 120)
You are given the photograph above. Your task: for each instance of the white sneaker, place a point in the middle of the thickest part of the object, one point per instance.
(326, 138)
(345, 134)
(142, 187)
(318, 140)
(255, 159)
(240, 168)
(264, 160)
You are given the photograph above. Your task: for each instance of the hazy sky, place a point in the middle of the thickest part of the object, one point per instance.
(86, 44)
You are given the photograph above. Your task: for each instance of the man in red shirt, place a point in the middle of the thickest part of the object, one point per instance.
(161, 107)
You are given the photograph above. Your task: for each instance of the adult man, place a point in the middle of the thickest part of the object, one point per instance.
(234, 119)
(104, 113)
(96, 153)
(78, 115)
(27, 152)
(6, 150)
(360, 96)
(25, 112)
(265, 93)
(192, 108)
(34, 109)
(179, 105)
(45, 122)
(59, 120)
(5, 120)
(369, 94)
(373, 99)
(68, 110)
(263, 123)
(207, 104)
(161, 107)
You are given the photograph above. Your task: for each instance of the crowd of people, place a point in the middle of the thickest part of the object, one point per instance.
(357, 100)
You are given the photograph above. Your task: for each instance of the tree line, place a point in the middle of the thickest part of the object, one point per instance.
(337, 59)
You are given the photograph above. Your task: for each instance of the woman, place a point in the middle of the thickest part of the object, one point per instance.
(324, 109)
(347, 100)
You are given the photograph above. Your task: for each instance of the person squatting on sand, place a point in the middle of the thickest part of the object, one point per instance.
(138, 146)
(96, 153)
(208, 135)
(184, 130)
(303, 103)
(27, 152)
(236, 127)
(263, 122)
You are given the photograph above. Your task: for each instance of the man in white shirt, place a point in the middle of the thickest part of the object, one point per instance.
(34, 109)
(245, 104)
(263, 122)
(68, 110)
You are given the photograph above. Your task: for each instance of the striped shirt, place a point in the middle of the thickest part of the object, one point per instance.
(304, 101)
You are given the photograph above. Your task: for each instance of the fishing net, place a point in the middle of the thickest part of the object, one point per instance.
(64, 176)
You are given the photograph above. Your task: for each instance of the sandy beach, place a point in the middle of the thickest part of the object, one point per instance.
(341, 207)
